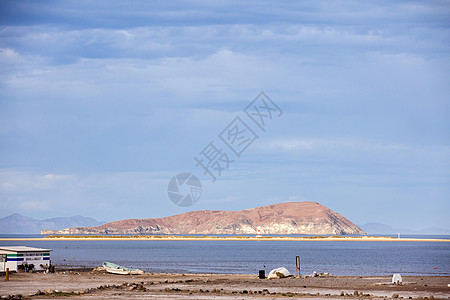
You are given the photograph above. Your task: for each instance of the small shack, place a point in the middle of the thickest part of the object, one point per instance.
(22, 258)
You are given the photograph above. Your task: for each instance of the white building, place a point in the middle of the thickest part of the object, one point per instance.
(14, 256)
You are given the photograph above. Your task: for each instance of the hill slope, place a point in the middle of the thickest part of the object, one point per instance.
(282, 218)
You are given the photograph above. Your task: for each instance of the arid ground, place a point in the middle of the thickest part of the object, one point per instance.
(83, 284)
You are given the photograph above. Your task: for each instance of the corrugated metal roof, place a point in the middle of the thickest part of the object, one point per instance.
(23, 249)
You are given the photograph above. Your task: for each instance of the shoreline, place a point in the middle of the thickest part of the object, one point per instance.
(232, 238)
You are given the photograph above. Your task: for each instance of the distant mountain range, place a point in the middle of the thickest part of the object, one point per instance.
(283, 218)
(20, 224)
(380, 228)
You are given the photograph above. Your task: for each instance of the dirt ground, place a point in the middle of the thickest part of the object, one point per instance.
(101, 285)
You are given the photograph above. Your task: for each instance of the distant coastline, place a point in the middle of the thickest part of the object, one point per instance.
(225, 238)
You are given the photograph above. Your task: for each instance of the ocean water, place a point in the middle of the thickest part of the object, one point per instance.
(247, 257)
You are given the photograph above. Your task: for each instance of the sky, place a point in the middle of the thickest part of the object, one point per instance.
(103, 102)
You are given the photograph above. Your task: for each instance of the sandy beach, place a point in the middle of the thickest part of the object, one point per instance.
(83, 284)
(227, 238)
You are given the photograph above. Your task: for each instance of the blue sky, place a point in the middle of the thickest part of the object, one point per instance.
(101, 103)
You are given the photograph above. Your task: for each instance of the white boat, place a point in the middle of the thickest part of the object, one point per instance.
(116, 269)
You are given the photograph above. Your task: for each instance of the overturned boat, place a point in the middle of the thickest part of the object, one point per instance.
(116, 269)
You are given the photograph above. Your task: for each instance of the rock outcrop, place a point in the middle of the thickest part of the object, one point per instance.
(282, 218)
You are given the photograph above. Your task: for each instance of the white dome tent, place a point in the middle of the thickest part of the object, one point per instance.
(397, 279)
(279, 273)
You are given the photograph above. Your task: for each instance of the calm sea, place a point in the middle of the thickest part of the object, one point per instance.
(247, 257)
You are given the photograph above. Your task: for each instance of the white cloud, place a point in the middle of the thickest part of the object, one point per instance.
(8, 54)
(323, 145)
(33, 206)
(316, 145)
(48, 181)
(7, 186)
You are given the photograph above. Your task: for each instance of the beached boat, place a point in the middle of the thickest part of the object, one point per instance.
(116, 269)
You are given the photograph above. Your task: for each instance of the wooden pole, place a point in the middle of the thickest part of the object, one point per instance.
(297, 266)
(7, 274)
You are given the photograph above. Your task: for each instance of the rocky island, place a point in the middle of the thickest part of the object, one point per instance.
(283, 218)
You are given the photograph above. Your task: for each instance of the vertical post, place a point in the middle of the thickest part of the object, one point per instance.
(7, 274)
(259, 231)
(297, 266)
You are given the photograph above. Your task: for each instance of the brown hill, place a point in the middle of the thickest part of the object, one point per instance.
(282, 218)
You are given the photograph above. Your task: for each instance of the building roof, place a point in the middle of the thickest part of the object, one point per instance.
(23, 249)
